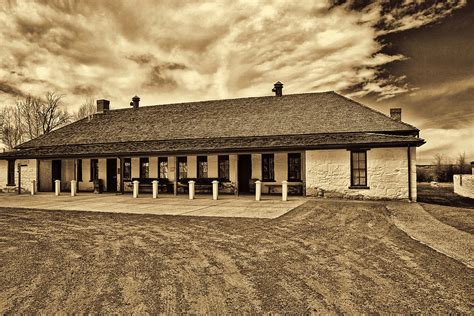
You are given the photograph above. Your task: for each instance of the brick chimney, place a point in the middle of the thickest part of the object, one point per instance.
(135, 102)
(103, 105)
(396, 114)
(278, 88)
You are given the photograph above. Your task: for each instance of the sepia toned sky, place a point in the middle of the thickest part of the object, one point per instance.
(417, 55)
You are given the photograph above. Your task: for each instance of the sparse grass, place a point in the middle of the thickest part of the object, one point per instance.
(325, 256)
(446, 206)
(443, 194)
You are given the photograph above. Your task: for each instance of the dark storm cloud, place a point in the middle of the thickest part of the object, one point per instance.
(12, 91)
(84, 90)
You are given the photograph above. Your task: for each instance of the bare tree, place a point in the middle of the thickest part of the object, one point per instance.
(12, 132)
(52, 113)
(439, 168)
(32, 117)
(87, 109)
(461, 162)
(29, 109)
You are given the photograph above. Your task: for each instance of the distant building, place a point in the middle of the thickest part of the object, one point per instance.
(324, 144)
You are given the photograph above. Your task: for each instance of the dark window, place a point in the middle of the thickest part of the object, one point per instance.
(182, 167)
(144, 168)
(163, 165)
(224, 167)
(79, 170)
(268, 167)
(294, 167)
(127, 168)
(202, 166)
(359, 168)
(94, 169)
(11, 172)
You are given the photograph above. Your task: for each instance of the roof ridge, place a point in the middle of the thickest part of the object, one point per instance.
(220, 100)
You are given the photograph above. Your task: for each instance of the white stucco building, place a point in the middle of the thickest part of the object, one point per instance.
(323, 144)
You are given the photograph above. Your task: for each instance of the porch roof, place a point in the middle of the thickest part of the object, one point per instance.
(214, 145)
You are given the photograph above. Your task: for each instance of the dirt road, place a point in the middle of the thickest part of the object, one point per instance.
(324, 256)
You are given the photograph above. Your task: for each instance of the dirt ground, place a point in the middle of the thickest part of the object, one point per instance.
(325, 256)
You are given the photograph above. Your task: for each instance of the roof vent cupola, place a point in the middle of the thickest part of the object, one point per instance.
(278, 88)
(135, 102)
(396, 114)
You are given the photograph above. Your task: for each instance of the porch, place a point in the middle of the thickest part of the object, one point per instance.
(236, 173)
(167, 204)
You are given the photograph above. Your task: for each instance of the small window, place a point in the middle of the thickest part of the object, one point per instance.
(359, 168)
(94, 169)
(144, 167)
(182, 167)
(11, 172)
(294, 167)
(79, 170)
(202, 166)
(268, 167)
(224, 167)
(163, 165)
(127, 168)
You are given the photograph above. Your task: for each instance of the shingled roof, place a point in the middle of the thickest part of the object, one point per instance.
(219, 123)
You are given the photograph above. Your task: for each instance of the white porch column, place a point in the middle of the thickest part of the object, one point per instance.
(215, 189)
(33, 187)
(191, 189)
(284, 190)
(155, 188)
(135, 189)
(258, 190)
(57, 187)
(73, 187)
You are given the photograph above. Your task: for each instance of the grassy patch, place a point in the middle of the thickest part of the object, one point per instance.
(442, 195)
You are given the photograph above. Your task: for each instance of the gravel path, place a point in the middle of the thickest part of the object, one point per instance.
(421, 226)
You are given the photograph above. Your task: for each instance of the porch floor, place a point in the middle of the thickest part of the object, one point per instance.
(165, 204)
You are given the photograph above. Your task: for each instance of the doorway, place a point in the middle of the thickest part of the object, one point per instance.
(55, 172)
(112, 175)
(244, 169)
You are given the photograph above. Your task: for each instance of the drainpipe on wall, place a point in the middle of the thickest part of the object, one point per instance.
(409, 173)
(19, 178)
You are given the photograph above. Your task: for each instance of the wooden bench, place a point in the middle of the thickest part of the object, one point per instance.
(272, 185)
(201, 184)
(146, 184)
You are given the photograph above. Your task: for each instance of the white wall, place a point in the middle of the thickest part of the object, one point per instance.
(233, 163)
(213, 166)
(86, 184)
(256, 166)
(28, 174)
(464, 185)
(153, 167)
(192, 166)
(172, 168)
(45, 176)
(281, 167)
(328, 173)
(135, 167)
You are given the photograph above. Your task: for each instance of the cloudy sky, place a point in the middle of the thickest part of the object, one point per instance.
(415, 55)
